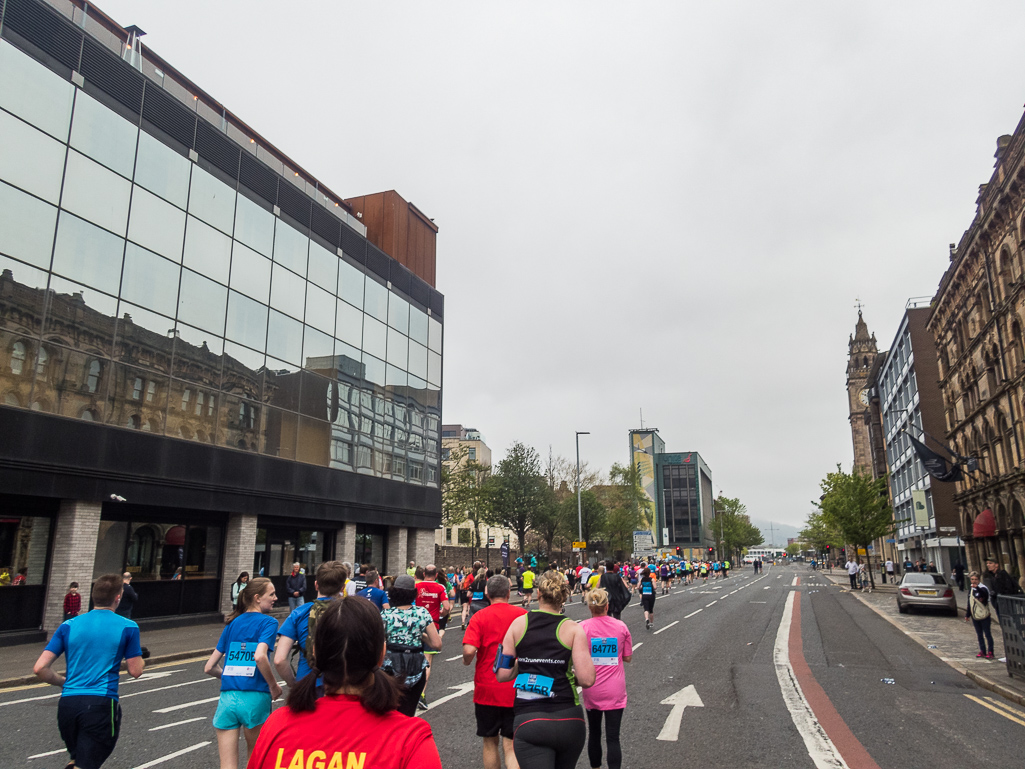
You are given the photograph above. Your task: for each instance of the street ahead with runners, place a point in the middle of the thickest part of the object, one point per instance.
(779, 668)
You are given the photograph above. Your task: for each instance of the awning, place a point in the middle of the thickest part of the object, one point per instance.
(985, 524)
(175, 536)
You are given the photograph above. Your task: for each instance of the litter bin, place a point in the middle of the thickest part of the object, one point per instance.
(1012, 625)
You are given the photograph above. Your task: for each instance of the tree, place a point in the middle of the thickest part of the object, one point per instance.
(592, 518)
(818, 534)
(856, 506)
(794, 548)
(624, 500)
(732, 528)
(519, 491)
(467, 492)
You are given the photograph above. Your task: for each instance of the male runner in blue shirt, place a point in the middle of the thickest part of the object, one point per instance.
(93, 644)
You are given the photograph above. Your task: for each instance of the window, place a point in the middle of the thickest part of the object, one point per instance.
(135, 422)
(199, 403)
(151, 390)
(186, 398)
(92, 376)
(137, 387)
(416, 471)
(364, 456)
(471, 454)
(247, 415)
(30, 159)
(18, 358)
(26, 226)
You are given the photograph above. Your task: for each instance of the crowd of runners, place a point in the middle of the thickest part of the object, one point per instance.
(544, 685)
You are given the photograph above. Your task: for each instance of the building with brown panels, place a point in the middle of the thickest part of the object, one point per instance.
(977, 321)
(400, 229)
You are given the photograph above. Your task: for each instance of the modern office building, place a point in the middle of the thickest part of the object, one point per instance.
(911, 402)
(679, 488)
(205, 365)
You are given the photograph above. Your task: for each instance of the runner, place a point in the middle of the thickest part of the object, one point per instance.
(648, 598)
(295, 629)
(358, 694)
(245, 696)
(93, 645)
(665, 574)
(410, 633)
(478, 593)
(546, 655)
(468, 579)
(610, 644)
(492, 701)
(527, 586)
(571, 578)
(433, 597)
(373, 593)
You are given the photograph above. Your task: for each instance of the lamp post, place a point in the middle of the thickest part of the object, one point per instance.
(580, 515)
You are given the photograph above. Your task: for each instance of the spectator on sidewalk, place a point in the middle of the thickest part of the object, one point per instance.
(999, 582)
(889, 572)
(979, 601)
(853, 567)
(295, 586)
(958, 573)
(128, 597)
(72, 602)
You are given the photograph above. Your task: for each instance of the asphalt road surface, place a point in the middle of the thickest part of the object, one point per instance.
(782, 674)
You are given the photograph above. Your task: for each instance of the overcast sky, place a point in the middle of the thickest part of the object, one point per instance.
(667, 206)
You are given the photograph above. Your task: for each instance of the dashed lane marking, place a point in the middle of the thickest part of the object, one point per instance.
(51, 753)
(169, 756)
(457, 657)
(638, 646)
(711, 604)
(170, 686)
(693, 613)
(185, 705)
(662, 630)
(178, 723)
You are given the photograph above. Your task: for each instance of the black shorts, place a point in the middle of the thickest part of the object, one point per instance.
(493, 720)
(89, 726)
(648, 603)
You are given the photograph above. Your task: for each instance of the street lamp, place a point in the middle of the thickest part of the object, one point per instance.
(580, 515)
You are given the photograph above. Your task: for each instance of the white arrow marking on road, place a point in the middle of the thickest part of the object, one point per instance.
(150, 676)
(462, 689)
(687, 696)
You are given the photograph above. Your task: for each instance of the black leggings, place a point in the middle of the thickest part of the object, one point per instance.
(549, 740)
(613, 720)
(411, 696)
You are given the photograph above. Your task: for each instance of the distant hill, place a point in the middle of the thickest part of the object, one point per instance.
(780, 532)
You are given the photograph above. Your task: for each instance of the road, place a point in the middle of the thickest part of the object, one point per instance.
(741, 643)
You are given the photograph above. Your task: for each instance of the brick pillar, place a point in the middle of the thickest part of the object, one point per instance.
(74, 552)
(239, 546)
(398, 537)
(421, 546)
(345, 548)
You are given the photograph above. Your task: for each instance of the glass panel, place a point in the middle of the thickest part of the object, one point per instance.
(160, 169)
(203, 552)
(254, 225)
(197, 356)
(144, 336)
(30, 159)
(247, 321)
(212, 200)
(318, 349)
(417, 360)
(350, 284)
(88, 254)
(110, 552)
(398, 349)
(27, 226)
(124, 410)
(96, 194)
(71, 385)
(398, 313)
(207, 250)
(242, 424)
(349, 324)
(396, 377)
(69, 297)
(250, 273)
(374, 371)
(280, 433)
(31, 91)
(323, 267)
(314, 446)
(288, 292)
(347, 361)
(290, 248)
(435, 336)
(376, 300)
(150, 280)
(201, 302)
(418, 325)
(320, 308)
(103, 135)
(434, 368)
(375, 337)
(284, 337)
(157, 225)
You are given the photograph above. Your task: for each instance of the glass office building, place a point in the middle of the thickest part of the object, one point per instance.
(197, 341)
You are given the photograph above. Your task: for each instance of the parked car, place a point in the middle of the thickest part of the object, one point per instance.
(926, 590)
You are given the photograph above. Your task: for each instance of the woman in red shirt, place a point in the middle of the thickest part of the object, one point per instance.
(355, 722)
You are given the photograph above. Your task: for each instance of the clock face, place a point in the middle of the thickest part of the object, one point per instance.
(863, 397)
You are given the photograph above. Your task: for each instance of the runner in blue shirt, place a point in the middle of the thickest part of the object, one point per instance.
(245, 696)
(373, 593)
(88, 713)
(329, 580)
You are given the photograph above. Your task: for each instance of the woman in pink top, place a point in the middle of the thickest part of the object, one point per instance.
(610, 645)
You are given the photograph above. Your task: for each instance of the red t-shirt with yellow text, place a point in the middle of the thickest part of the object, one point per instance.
(341, 733)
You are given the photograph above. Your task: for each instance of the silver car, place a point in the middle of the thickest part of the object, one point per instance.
(926, 590)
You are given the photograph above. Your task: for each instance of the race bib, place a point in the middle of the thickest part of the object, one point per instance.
(241, 660)
(478, 596)
(605, 651)
(530, 686)
(646, 588)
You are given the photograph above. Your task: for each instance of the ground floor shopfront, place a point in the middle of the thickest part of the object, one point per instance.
(183, 561)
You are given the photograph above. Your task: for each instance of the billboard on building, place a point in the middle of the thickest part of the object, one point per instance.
(643, 457)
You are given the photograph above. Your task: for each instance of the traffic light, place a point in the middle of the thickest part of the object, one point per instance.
(710, 550)
(677, 549)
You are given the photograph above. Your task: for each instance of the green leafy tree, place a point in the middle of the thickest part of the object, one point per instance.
(732, 528)
(467, 493)
(520, 492)
(592, 519)
(856, 506)
(818, 534)
(624, 500)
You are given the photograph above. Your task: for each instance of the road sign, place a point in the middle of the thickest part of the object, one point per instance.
(491, 541)
(948, 528)
(862, 551)
(505, 553)
(687, 696)
(579, 545)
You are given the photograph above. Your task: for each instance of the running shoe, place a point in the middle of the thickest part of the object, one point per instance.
(422, 703)
(981, 654)
(989, 655)
(647, 624)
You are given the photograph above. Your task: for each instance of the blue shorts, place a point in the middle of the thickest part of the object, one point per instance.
(248, 709)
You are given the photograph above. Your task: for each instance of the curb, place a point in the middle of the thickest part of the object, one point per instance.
(8, 683)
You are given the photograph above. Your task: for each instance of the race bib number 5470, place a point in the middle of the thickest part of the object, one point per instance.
(241, 660)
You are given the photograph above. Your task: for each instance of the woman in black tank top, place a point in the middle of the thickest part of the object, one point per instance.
(552, 658)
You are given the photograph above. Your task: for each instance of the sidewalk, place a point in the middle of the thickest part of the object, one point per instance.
(952, 640)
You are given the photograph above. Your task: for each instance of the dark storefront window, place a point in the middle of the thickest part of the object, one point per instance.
(175, 565)
(370, 545)
(24, 549)
(277, 548)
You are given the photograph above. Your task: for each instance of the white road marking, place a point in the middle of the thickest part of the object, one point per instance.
(51, 753)
(457, 657)
(171, 686)
(693, 613)
(638, 646)
(767, 587)
(662, 630)
(711, 604)
(30, 699)
(688, 696)
(821, 749)
(462, 689)
(756, 601)
(187, 705)
(178, 723)
(795, 582)
(169, 756)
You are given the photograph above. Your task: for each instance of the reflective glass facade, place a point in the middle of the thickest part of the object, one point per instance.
(144, 288)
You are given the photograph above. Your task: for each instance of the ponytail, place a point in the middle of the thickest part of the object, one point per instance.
(247, 596)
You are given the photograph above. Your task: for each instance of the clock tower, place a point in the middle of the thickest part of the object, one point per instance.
(862, 354)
